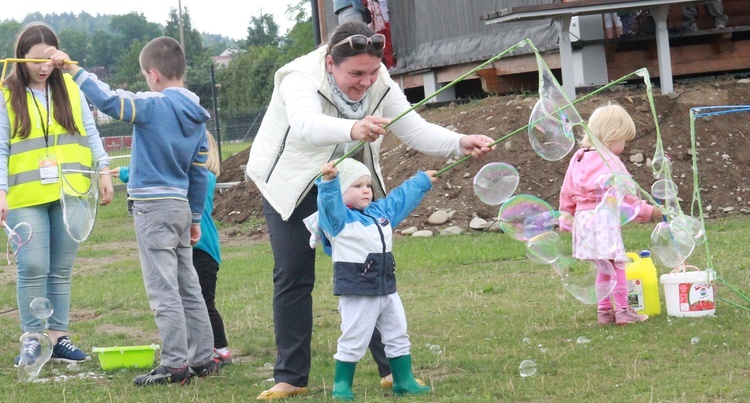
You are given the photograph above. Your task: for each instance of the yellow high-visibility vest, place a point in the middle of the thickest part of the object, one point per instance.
(71, 151)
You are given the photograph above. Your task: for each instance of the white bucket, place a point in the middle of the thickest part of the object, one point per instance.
(689, 293)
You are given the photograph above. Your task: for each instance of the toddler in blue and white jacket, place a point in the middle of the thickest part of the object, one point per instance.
(360, 233)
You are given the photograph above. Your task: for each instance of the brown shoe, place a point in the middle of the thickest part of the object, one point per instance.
(281, 394)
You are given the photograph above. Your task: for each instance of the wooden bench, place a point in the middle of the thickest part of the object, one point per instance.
(562, 14)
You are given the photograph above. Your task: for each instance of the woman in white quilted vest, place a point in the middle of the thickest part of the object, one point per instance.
(323, 105)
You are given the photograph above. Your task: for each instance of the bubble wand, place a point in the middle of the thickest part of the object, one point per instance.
(12, 60)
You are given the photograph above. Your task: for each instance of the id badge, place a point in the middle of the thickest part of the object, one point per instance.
(48, 170)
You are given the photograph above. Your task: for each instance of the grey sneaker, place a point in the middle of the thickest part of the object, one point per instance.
(626, 316)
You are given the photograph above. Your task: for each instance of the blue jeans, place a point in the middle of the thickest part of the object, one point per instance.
(162, 228)
(44, 265)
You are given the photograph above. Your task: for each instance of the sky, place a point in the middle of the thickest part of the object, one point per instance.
(229, 18)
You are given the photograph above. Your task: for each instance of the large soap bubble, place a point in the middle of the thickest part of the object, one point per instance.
(685, 226)
(544, 248)
(664, 189)
(39, 352)
(671, 248)
(621, 194)
(496, 182)
(551, 130)
(524, 217)
(589, 281)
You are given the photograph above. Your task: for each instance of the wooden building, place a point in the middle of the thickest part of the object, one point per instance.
(437, 41)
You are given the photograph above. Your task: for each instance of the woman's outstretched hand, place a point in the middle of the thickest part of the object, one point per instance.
(476, 145)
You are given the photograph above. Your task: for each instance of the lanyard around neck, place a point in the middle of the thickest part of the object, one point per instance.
(45, 127)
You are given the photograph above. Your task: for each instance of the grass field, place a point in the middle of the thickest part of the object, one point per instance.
(476, 309)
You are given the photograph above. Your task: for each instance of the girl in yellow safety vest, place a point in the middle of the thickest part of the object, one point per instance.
(45, 127)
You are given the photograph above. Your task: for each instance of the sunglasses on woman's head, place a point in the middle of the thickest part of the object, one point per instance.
(359, 42)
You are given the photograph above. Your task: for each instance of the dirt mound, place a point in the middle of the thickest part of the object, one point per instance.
(721, 147)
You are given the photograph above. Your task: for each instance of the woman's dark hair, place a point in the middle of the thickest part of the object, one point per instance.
(345, 30)
(33, 34)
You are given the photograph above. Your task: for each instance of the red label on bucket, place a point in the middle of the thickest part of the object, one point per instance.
(696, 297)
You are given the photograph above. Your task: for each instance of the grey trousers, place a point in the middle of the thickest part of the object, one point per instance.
(162, 229)
(715, 9)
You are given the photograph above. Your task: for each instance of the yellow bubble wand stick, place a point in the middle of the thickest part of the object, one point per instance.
(11, 60)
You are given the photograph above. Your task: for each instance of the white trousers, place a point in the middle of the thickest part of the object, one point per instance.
(360, 315)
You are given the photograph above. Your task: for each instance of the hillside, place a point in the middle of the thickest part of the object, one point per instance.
(722, 151)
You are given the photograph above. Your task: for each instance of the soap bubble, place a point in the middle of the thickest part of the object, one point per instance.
(695, 340)
(527, 368)
(524, 217)
(37, 352)
(583, 340)
(664, 189)
(565, 220)
(669, 247)
(544, 248)
(526, 341)
(685, 226)
(589, 281)
(551, 129)
(661, 166)
(436, 349)
(41, 308)
(620, 193)
(495, 182)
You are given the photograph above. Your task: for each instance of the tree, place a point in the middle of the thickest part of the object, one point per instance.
(8, 32)
(251, 77)
(263, 31)
(103, 51)
(134, 32)
(74, 43)
(195, 54)
(129, 74)
(134, 26)
(299, 39)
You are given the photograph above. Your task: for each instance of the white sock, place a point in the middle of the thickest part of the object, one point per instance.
(222, 350)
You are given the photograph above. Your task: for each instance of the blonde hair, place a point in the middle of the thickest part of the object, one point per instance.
(609, 123)
(213, 163)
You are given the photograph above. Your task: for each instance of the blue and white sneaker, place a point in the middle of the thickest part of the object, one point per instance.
(67, 352)
(30, 351)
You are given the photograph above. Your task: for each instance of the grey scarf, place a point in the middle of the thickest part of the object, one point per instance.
(346, 107)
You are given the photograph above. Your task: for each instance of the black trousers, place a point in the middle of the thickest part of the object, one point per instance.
(293, 281)
(208, 270)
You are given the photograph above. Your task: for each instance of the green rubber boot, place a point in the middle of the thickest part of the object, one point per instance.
(403, 377)
(343, 379)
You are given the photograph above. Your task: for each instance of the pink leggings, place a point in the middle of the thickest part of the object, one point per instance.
(619, 293)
